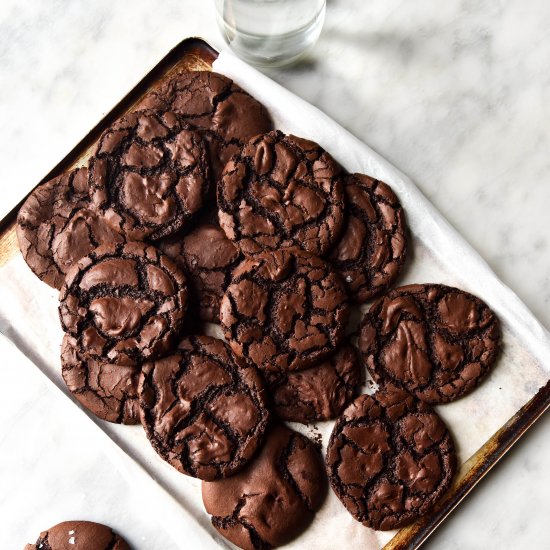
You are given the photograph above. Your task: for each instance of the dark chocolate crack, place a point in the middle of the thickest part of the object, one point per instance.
(274, 498)
(55, 226)
(390, 458)
(373, 245)
(123, 303)
(109, 391)
(284, 310)
(318, 393)
(281, 191)
(436, 341)
(225, 115)
(203, 409)
(208, 258)
(150, 174)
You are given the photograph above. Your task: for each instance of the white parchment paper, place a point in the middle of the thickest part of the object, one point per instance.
(122, 459)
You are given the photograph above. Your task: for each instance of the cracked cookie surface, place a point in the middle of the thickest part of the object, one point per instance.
(149, 175)
(373, 245)
(274, 499)
(436, 341)
(55, 226)
(284, 310)
(390, 458)
(281, 191)
(203, 409)
(79, 535)
(320, 392)
(109, 391)
(123, 303)
(224, 113)
(208, 258)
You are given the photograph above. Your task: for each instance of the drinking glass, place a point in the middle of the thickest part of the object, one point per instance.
(270, 32)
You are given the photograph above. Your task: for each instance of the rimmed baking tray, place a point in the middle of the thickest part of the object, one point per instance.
(196, 54)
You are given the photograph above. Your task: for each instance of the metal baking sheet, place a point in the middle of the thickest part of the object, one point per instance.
(195, 54)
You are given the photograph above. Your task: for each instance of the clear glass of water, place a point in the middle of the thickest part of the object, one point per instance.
(270, 32)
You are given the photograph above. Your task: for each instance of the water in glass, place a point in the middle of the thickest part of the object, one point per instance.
(270, 32)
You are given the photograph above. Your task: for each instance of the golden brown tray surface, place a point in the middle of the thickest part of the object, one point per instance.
(195, 54)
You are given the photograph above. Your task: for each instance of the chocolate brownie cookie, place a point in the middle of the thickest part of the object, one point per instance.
(208, 258)
(373, 245)
(320, 392)
(284, 310)
(203, 409)
(123, 303)
(389, 458)
(274, 499)
(281, 191)
(56, 228)
(225, 114)
(109, 391)
(149, 174)
(436, 341)
(79, 535)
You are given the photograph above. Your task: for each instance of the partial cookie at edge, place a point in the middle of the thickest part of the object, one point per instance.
(79, 535)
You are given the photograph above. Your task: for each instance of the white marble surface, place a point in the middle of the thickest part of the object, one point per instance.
(457, 95)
